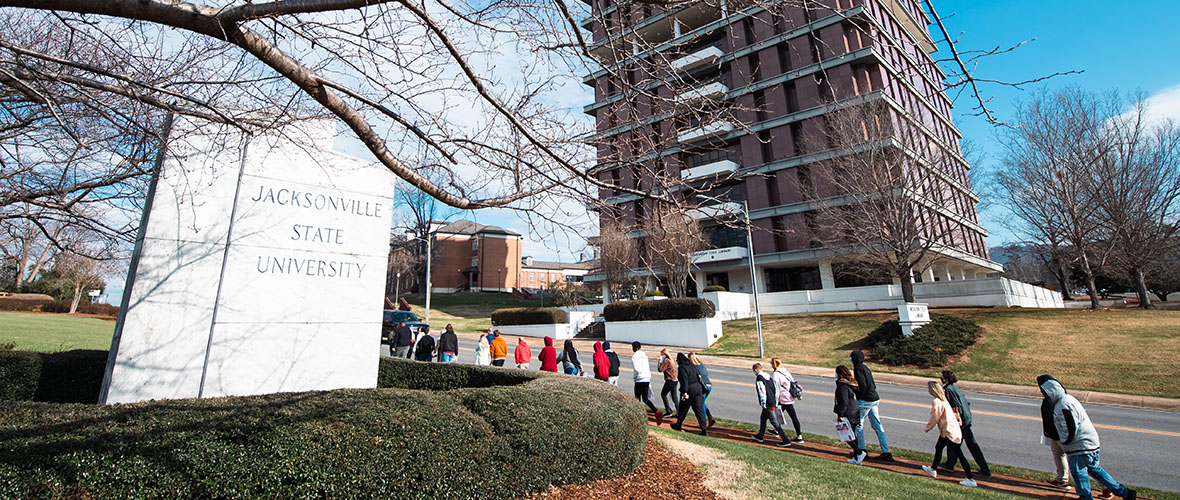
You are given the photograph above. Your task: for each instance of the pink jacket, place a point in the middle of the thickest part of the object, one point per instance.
(523, 353)
(782, 380)
(943, 416)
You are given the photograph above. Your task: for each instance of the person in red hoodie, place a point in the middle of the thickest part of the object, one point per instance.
(601, 363)
(548, 356)
(524, 355)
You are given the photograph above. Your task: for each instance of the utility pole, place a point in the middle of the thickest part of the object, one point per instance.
(753, 276)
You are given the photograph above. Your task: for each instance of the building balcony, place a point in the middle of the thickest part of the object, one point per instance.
(707, 55)
(717, 210)
(714, 168)
(715, 90)
(706, 131)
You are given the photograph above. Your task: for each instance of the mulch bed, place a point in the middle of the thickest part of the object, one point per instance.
(663, 475)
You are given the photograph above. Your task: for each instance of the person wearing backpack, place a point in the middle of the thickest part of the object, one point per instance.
(768, 402)
(962, 408)
(788, 390)
(704, 371)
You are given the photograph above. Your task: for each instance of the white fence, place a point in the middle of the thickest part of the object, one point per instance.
(559, 331)
(994, 292)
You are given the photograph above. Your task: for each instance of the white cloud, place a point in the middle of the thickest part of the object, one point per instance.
(1165, 104)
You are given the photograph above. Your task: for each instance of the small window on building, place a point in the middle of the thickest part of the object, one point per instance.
(474, 261)
(475, 244)
(543, 276)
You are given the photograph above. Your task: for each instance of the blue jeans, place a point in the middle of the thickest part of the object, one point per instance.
(1081, 467)
(448, 357)
(571, 370)
(704, 399)
(868, 411)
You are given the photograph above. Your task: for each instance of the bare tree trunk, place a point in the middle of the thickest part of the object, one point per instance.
(907, 290)
(1089, 272)
(77, 298)
(1141, 289)
(1063, 277)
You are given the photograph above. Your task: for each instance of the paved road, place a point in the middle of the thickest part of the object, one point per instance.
(1138, 446)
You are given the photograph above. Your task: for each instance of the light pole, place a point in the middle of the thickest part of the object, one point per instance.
(753, 276)
(429, 254)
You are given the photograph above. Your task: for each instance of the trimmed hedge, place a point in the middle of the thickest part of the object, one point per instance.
(529, 316)
(56, 377)
(651, 310)
(516, 435)
(931, 345)
(714, 288)
(35, 302)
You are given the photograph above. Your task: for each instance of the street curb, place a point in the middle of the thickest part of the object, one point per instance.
(1021, 391)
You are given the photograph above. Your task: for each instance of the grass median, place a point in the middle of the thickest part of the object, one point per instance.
(44, 332)
(1119, 350)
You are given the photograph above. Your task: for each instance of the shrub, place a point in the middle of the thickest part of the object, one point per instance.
(653, 293)
(58, 377)
(383, 443)
(714, 288)
(27, 302)
(930, 345)
(529, 316)
(649, 310)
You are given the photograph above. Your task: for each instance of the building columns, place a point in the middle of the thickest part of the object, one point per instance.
(826, 278)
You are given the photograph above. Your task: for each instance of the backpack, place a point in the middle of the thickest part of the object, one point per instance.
(795, 390)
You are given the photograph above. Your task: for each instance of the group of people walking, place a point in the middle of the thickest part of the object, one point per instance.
(1068, 431)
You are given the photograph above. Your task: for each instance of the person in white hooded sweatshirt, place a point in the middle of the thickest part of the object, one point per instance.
(783, 380)
(642, 370)
(1079, 439)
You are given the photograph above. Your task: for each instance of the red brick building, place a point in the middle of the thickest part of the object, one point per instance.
(472, 256)
(781, 71)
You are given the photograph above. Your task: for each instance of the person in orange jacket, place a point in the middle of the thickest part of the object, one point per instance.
(524, 355)
(499, 349)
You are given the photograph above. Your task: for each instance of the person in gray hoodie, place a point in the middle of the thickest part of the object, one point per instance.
(1079, 439)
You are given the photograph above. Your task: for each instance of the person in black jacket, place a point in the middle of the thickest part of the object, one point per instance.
(614, 364)
(767, 392)
(425, 349)
(846, 408)
(448, 345)
(867, 401)
(691, 393)
(1049, 429)
(402, 342)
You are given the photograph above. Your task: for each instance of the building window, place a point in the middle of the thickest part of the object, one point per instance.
(532, 277)
(474, 261)
(787, 279)
(543, 277)
(475, 244)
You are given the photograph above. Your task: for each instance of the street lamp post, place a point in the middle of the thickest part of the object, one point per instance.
(429, 253)
(753, 275)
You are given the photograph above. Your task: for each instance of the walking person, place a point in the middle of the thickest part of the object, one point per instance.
(499, 349)
(569, 359)
(949, 434)
(426, 344)
(962, 408)
(692, 393)
(846, 409)
(786, 401)
(1079, 439)
(642, 370)
(483, 351)
(448, 345)
(613, 358)
(601, 363)
(1050, 437)
(704, 371)
(668, 368)
(403, 341)
(548, 356)
(523, 354)
(867, 401)
(768, 402)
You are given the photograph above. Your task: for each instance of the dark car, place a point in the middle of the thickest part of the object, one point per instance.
(391, 319)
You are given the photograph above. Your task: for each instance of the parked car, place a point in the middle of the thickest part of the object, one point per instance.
(391, 319)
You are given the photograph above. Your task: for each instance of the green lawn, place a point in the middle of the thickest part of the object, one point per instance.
(55, 332)
(1120, 350)
(918, 456)
(468, 312)
(763, 473)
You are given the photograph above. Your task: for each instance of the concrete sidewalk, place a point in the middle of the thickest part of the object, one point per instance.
(1024, 391)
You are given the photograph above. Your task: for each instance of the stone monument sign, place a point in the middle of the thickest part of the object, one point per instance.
(259, 268)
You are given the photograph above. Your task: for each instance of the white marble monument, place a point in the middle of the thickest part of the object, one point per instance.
(259, 268)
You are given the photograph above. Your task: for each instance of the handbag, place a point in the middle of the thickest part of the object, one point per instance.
(844, 430)
(779, 418)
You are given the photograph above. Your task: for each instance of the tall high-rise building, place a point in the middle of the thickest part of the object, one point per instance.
(726, 99)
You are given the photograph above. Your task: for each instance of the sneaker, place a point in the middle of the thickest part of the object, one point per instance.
(930, 470)
(858, 459)
(675, 427)
(970, 483)
(659, 418)
(1059, 484)
(798, 440)
(885, 457)
(704, 433)
(946, 468)
(756, 438)
(984, 473)
(1131, 494)
(783, 444)
(1105, 495)
(711, 422)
